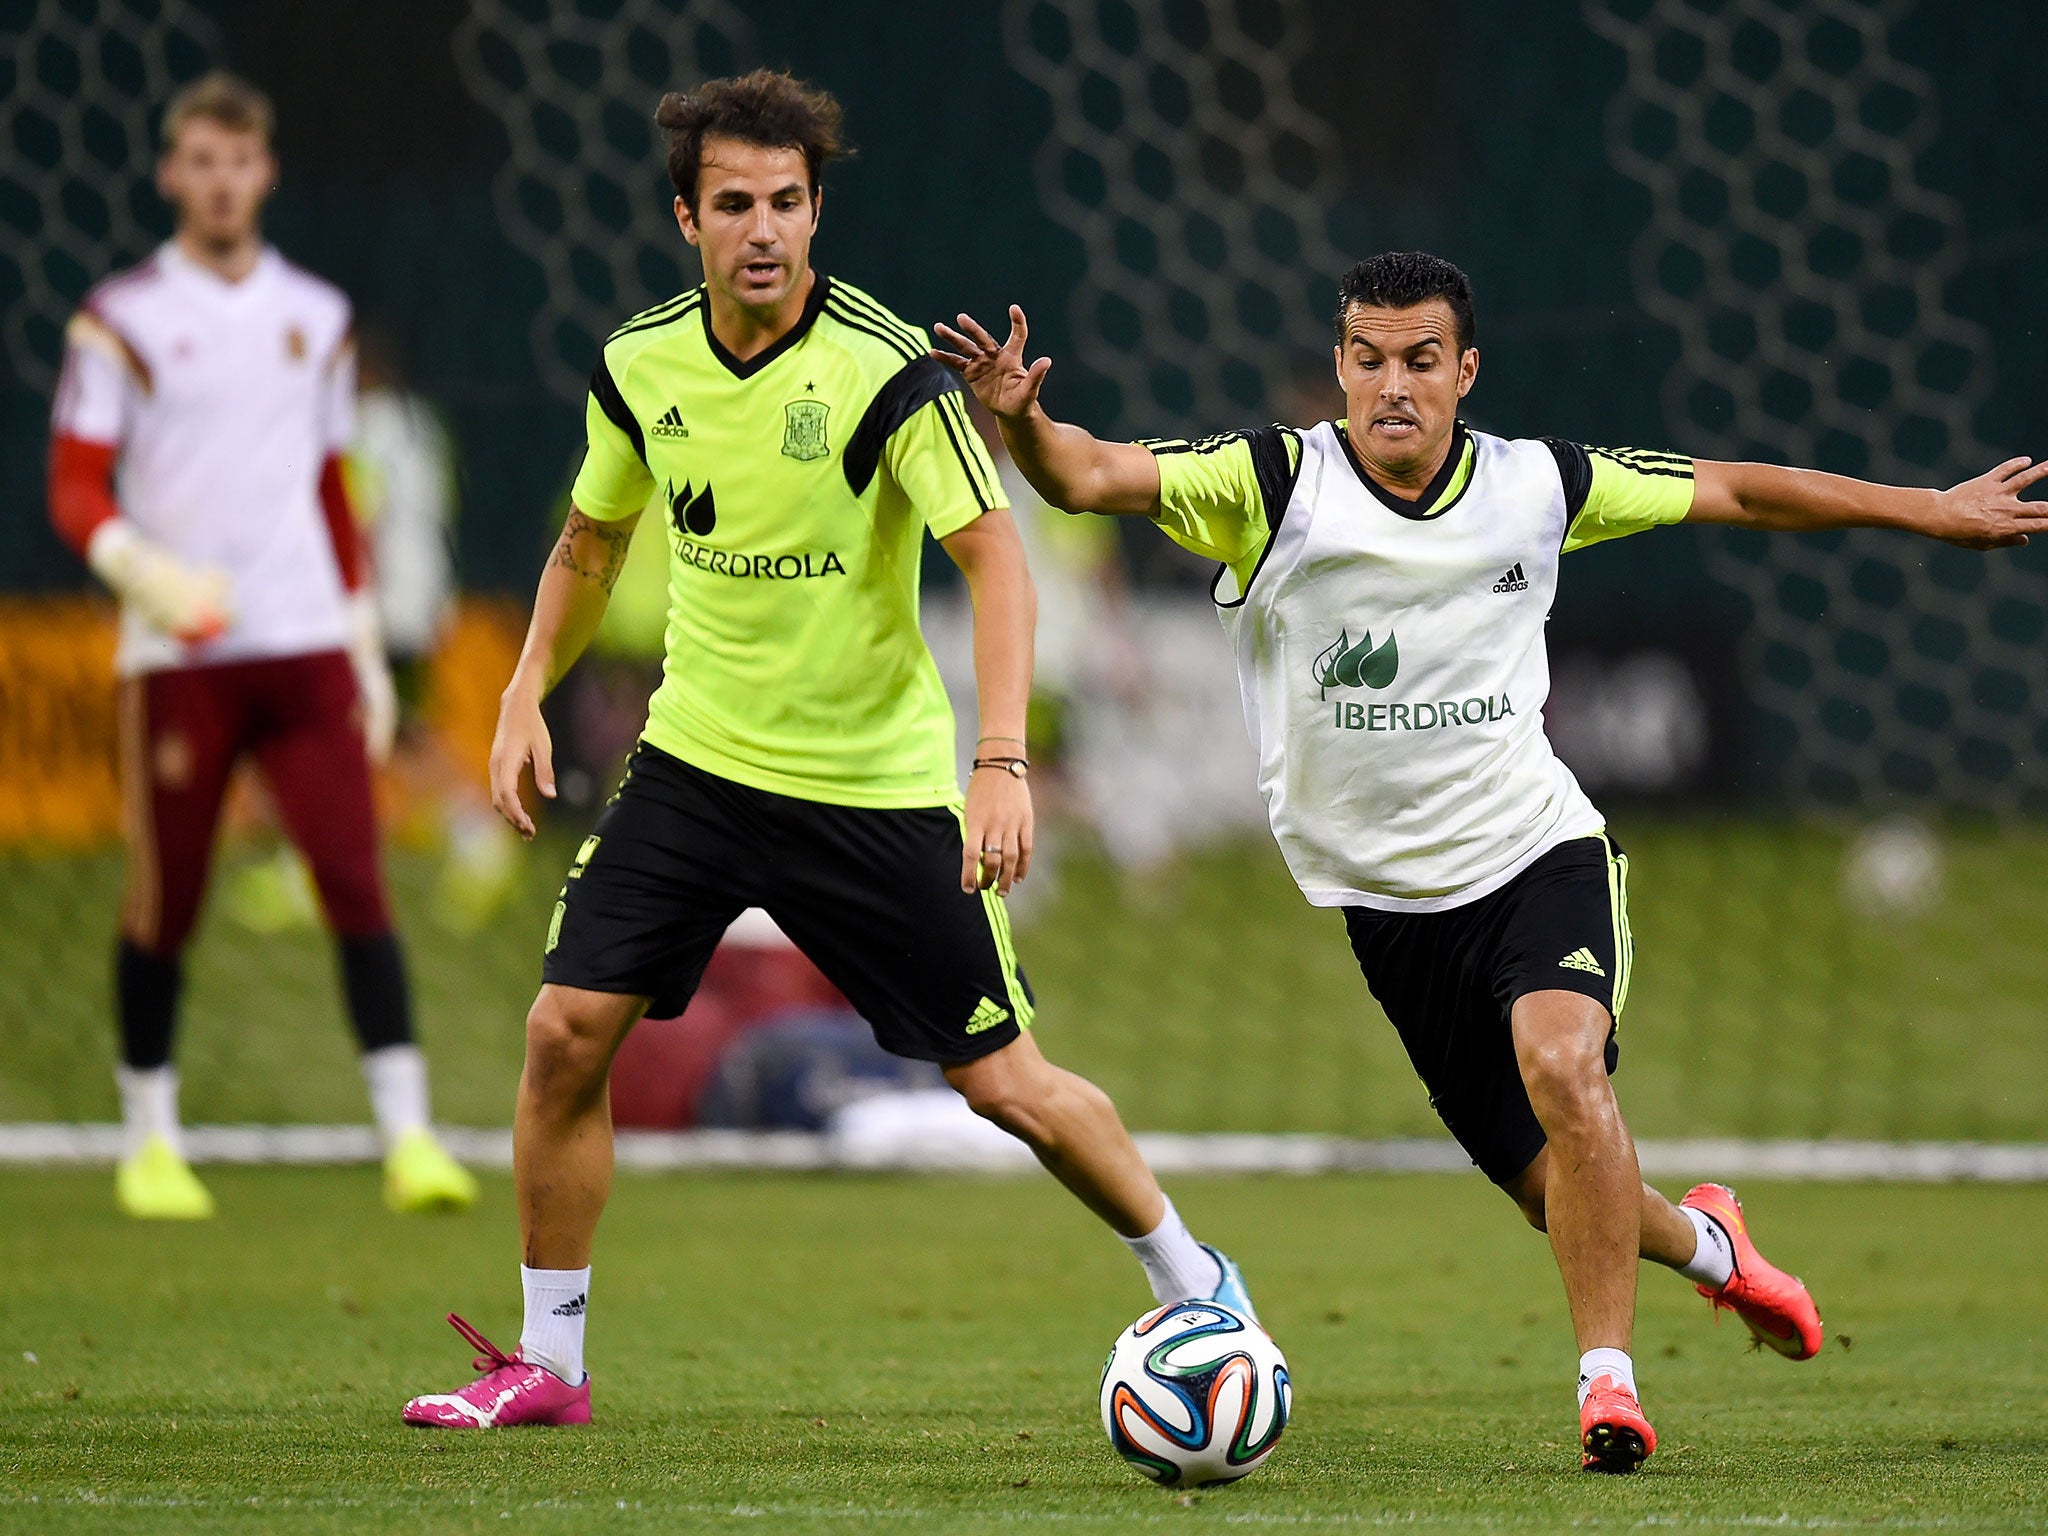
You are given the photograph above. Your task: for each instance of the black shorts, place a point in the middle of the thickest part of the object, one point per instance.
(1448, 981)
(872, 896)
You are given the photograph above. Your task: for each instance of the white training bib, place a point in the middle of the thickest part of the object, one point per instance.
(1394, 676)
(225, 400)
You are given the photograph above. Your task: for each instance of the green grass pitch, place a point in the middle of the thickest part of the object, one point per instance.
(813, 1354)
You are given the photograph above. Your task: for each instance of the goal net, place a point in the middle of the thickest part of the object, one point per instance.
(582, 192)
(78, 115)
(1797, 250)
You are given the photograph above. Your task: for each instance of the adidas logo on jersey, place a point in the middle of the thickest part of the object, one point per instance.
(670, 424)
(987, 1015)
(1513, 581)
(1582, 960)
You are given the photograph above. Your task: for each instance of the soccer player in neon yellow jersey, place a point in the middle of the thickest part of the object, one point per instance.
(795, 440)
(1386, 579)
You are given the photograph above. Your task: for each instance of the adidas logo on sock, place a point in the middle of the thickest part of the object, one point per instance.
(571, 1308)
(1582, 960)
(987, 1015)
(670, 424)
(1513, 581)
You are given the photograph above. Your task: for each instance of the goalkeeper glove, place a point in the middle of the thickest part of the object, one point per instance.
(186, 602)
(373, 675)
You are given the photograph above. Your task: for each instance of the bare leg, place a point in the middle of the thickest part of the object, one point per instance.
(1667, 1237)
(1593, 1188)
(562, 1124)
(1071, 1126)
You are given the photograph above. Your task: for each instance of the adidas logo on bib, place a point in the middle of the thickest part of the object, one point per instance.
(1582, 960)
(670, 424)
(1513, 581)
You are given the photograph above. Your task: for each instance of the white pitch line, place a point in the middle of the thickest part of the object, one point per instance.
(1901, 1162)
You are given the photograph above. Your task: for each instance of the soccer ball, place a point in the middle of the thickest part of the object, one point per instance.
(1195, 1394)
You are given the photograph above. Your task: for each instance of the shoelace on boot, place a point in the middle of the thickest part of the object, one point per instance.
(489, 1357)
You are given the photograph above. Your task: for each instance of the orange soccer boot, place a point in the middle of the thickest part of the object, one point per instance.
(1613, 1434)
(1775, 1305)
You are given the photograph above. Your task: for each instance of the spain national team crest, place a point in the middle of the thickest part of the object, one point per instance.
(803, 429)
(295, 344)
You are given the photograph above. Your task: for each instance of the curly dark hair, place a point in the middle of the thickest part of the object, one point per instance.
(1400, 279)
(768, 107)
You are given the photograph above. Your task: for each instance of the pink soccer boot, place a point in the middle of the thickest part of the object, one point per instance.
(509, 1392)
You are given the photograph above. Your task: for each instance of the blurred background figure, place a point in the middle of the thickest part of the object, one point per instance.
(195, 461)
(402, 476)
(405, 477)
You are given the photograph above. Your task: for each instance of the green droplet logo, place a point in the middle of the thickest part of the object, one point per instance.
(1344, 665)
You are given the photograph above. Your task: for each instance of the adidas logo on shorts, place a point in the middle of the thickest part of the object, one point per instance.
(1581, 960)
(1513, 580)
(987, 1015)
(670, 424)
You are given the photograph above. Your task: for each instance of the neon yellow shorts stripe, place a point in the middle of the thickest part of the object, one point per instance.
(998, 914)
(1624, 940)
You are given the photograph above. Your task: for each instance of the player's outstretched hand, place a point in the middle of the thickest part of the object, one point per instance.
(995, 372)
(522, 737)
(997, 851)
(1987, 512)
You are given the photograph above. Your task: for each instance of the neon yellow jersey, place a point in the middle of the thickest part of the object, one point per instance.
(1214, 492)
(794, 489)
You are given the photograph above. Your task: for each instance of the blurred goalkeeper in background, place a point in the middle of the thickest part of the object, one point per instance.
(195, 464)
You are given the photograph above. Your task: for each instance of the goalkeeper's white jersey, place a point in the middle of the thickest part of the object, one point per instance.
(224, 400)
(1394, 675)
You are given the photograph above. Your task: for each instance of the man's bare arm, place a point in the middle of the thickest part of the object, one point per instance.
(1984, 513)
(1071, 468)
(999, 817)
(575, 587)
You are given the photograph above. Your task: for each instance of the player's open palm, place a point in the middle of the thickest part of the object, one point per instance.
(996, 372)
(521, 738)
(1987, 512)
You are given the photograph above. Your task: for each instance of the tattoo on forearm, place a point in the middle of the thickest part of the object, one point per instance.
(616, 541)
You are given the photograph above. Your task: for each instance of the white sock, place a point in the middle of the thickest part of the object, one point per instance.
(556, 1300)
(149, 1106)
(1713, 1256)
(397, 1075)
(1605, 1362)
(1177, 1266)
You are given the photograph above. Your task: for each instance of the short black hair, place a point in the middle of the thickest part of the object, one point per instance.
(1402, 279)
(770, 108)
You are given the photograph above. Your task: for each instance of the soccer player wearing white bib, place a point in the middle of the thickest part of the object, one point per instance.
(1385, 580)
(195, 464)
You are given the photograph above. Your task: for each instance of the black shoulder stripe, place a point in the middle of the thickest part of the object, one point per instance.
(1651, 455)
(1671, 466)
(915, 385)
(955, 405)
(889, 320)
(854, 321)
(1575, 472)
(688, 305)
(1214, 443)
(1271, 463)
(653, 310)
(954, 436)
(605, 391)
